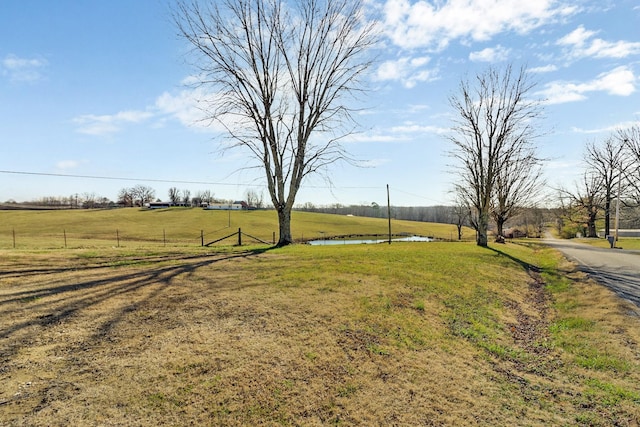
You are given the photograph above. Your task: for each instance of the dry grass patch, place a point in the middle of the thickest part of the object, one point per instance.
(407, 334)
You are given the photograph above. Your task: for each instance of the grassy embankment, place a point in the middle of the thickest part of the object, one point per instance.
(134, 227)
(407, 334)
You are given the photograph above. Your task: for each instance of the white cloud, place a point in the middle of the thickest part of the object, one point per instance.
(490, 54)
(577, 37)
(414, 128)
(91, 124)
(581, 44)
(184, 106)
(408, 71)
(67, 164)
(608, 129)
(563, 92)
(434, 25)
(373, 163)
(23, 70)
(544, 69)
(416, 108)
(619, 81)
(559, 165)
(373, 137)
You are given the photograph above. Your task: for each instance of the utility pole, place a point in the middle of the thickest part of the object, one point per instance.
(389, 212)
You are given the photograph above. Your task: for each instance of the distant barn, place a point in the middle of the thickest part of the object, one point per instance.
(164, 205)
(159, 205)
(235, 206)
(514, 233)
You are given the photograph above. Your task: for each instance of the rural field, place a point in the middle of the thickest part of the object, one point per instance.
(133, 227)
(435, 334)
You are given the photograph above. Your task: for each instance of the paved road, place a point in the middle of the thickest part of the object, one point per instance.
(617, 269)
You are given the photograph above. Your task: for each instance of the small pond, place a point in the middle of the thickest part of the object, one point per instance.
(369, 241)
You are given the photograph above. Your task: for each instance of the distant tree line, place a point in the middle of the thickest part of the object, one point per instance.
(137, 196)
(527, 222)
(141, 195)
(441, 214)
(74, 201)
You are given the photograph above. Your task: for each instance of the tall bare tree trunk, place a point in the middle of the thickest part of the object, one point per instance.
(284, 225)
(483, 229)
(500, 226)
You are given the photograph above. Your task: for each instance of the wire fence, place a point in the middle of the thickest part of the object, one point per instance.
(17, 238)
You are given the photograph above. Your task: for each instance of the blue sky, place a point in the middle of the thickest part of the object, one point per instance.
(97, 88)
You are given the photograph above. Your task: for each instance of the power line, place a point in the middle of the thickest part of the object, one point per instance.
(397, 190)
(114, 178)
(168, 181)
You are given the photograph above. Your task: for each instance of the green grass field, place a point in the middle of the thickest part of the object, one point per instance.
(134, 227)
(405, 334)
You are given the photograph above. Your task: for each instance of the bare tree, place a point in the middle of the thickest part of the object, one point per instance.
(538, 220)
(607, 160)
(142, 194)
(460, 216)
(89, 200)
(186, 196)
(631, 141)
(494, 127)
(205, 196)
(583, 205)
(125, 197)
(174, 195)
(104, 202)
(283, 74)
(250, 197)
(517, 187)
(253, 199)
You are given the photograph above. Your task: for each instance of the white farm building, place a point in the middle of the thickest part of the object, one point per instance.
(235, 206)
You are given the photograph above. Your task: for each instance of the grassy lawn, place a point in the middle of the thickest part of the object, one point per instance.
(623, 242)
(406, 334)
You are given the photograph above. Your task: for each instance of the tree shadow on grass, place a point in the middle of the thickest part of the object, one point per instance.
(532, 270)
(525, 265)
(43, 307)
(104, 262)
